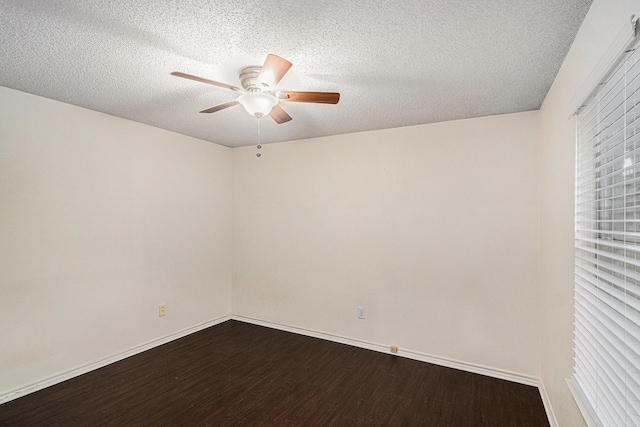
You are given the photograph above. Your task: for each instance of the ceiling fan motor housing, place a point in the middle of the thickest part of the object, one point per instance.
(249, 79)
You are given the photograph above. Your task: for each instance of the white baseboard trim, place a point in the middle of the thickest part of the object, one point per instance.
(58, 378)
(415, 355)
(547, 405)
(410, 354)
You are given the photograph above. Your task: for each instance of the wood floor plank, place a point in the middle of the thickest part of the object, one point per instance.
(238, 374)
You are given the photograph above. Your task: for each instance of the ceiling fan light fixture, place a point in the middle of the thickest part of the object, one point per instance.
(258, 103)
(257, 98)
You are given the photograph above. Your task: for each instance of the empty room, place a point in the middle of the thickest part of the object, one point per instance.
(319, 213)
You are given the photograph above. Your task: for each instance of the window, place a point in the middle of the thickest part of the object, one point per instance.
(607, 267)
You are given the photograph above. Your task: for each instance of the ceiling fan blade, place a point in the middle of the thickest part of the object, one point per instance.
(207, 81)
(273, 69)
(221, 106)
(317, 97)
(279, 115)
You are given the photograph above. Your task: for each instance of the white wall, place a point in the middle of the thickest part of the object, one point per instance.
(433, 229)
(605, 19)
(101, 220)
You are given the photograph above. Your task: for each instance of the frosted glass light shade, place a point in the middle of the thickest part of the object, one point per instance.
(258, 103)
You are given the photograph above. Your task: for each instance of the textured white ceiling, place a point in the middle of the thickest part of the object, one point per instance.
(395, 63)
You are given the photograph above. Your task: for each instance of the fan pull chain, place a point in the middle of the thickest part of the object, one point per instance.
(259, 146)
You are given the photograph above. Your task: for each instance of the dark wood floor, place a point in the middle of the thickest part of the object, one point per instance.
(237, 374)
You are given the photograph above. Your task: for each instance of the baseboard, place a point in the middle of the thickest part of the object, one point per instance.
(415, 355)
(410, 354)
(58, 378)
(547, 405)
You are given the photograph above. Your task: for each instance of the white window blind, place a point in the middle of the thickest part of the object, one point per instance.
(607, 267)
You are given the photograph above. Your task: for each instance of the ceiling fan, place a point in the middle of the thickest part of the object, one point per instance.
(258, 93)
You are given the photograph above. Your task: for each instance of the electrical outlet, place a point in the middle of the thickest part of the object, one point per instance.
(162, 310)
(360, 312)
(393, 348)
